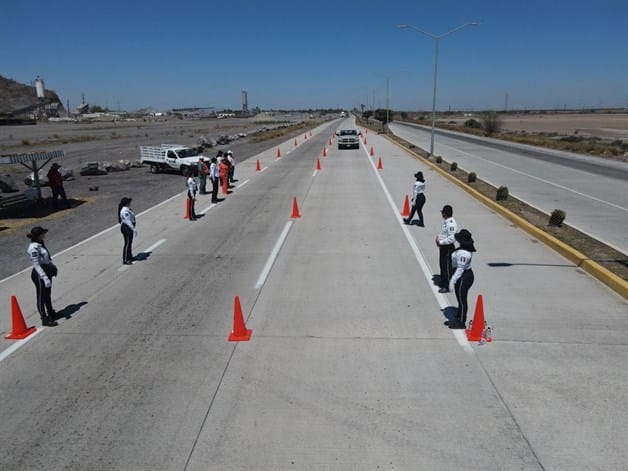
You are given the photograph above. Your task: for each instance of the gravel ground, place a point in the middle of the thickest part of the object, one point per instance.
(93, 211)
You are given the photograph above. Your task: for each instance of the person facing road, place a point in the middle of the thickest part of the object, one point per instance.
(203, 171)
(126, 218)
(462, 278)
(418, 199)
(223, 171)
(55, 180)
(41, 274)
(191, 183)
(445, 242)
(231, 166)
(213, 176)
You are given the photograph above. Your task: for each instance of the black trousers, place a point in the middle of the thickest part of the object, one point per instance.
(418, 208)
(44, 303)
(192, 201)
(215, 185)
(203, 184)
(56, 192)
(127, 251)
(462, 289)
(444, 260)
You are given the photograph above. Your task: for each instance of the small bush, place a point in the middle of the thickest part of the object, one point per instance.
(502, 193)
(26, 142)
(557, 217)
(438, 159)
(472, 123)
(472, 177)
(453, 166)
(491, 122)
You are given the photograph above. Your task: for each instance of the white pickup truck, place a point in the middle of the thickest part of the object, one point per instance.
(170, 157)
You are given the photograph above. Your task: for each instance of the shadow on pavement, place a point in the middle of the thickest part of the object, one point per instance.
(70, 309)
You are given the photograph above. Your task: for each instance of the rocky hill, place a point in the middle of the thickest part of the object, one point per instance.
(15, 96)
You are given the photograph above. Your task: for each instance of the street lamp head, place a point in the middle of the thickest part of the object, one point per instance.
(474, 23)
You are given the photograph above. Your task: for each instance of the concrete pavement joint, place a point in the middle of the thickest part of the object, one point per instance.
(594, 269)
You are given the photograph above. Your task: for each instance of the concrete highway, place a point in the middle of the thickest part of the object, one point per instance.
(349, 365)
(592, 191)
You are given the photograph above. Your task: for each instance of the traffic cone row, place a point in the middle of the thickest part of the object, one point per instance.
(379, 164)
(324, 151)
(318, 164)
(278, 152)
(188, 207)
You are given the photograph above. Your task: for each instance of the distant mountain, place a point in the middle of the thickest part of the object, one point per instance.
(15, 96)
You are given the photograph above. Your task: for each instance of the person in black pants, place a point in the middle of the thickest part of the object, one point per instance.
(42, 273)
(462, 278)
(418, 199)
(214, 177)
(445, 242)
(126, 218)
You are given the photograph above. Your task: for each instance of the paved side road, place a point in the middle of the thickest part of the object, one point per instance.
(349, 365)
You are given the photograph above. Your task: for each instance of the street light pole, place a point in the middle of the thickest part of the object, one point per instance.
(436, 45)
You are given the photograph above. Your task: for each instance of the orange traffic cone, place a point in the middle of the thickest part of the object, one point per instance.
(364, 140)
(18, 329)
(278, 152)
(295, 142)
(295, 209)
(324, 151)
(478, 331)
(188, 207)
(310, 133)
(406, 207)
(379, 164)
(239, 333)
(258, 167)
(304, 136)
(318, 164)
(330, 143)
(372, 152)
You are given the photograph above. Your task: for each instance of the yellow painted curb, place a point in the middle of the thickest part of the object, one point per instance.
(594, 269)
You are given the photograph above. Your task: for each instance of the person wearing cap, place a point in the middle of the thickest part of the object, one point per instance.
(462, 278)
(203, 171)
(445, 242)
(126, 218)
(213, 176)
(231, 165)
(418, 199)
(55, 180)
(191, 183)
(42, 273)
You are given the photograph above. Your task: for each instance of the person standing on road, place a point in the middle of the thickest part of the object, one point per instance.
(55, 180)
(418, 199)
(462, 278)
(126, 218)
(231, 166)
(41, 274)
(203, 171)
(213, 176)
(445, 242)
(192, 196)
(223, 171)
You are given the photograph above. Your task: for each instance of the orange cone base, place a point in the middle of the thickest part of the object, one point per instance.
(406, 207)
(379, 164)
(258, 167)
(21, 335)
(240, 338)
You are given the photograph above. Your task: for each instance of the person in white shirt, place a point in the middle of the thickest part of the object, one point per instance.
(215, 178)
(192, 188)
(462, 278)
(231, 167)
(445, 242)
(418, 199)
(42, 273)
(126, 218)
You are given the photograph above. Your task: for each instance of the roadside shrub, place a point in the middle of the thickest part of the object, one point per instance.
(502, 193)
(472, 177)
(557, 217)
(404, 115)
(26, 142)
(472, 123)
(491, 122)
(453, 166)
(438, 159)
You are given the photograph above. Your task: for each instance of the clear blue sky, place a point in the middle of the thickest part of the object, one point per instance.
(295, 54)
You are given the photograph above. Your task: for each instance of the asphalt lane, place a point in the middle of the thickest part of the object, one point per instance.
(590, 190)
(349, 366)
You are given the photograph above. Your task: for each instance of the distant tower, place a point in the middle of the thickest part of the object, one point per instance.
(506, 102)
(39, 88)
(245, 102)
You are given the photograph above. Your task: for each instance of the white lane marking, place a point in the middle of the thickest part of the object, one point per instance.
(273, 255)
(94, 236)
(315, 173)
(535, 178)
(20, 343)
(207, 208)
(243, 183)
(263, 169)
(425, 267)
(154, 246)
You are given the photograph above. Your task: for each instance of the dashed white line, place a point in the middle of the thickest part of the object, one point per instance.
(273, 255)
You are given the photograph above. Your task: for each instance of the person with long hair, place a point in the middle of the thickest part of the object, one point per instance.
(126, 218)
(41, 274)
(462, 278)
